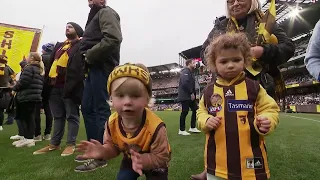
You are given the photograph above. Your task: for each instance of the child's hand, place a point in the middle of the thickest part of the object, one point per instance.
(213, 123)
(136, 162)
(263, 123)
(91, 150)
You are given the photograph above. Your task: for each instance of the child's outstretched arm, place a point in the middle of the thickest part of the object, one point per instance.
(95, 150)
(267, 113)
(202, 116)
(159, 155)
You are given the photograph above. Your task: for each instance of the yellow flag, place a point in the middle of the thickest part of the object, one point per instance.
(267, 23)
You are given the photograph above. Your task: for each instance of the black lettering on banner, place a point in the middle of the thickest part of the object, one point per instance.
(6, 41)
(8, 34)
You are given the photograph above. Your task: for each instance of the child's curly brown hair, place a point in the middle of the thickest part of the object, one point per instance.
(227, 41)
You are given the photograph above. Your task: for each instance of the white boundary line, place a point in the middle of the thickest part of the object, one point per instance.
(302, 118)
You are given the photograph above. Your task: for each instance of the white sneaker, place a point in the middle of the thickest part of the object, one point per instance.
(16, 137)
(17, 142)
(184, 133)
(47, 137)
(194, 130)
(27, 143)
(1, 128)
(37, 138)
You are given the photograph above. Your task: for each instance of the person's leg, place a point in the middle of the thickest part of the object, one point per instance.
(10, 118)
(201, 176)
(100, 104)
(58, 111)
(96, 112)
(161, 174)
(73, 116)
(127, 174)
(49, 119)
(28, 114)
(1, 118)
(59, 114)
(87, 110)
(183, 115)
(194, 107)
(37, 132)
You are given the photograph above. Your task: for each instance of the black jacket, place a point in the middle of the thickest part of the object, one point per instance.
(6, 79)
(187, 85)
(29, 87)
(101, 40)
(46, 88)
(273, 55)
(73, 86)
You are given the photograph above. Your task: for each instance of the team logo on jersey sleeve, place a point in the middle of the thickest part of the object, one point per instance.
(216, 103)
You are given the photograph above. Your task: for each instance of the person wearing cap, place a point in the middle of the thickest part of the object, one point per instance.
(46, 53)
(100, 48)
(5, 75)
(65, 76)
(133, 129)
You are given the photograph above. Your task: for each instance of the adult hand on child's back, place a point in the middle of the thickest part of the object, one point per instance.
(136, 162)
(92, 149)
(263, 124)
(213, 123)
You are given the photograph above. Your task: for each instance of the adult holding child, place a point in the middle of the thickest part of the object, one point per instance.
(270, 46)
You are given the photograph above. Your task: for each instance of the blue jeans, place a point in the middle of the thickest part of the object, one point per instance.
(130, 174)
(95, 109)
(127, 174)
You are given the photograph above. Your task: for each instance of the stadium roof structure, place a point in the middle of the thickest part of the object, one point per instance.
(296, 17)
(172, 67)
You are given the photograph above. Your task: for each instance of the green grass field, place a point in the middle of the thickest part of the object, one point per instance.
(294, 153)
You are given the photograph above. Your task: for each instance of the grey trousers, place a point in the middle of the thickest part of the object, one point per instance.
(62, 110)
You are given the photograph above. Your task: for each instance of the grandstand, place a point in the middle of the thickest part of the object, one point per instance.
(297, 18)
(164, 86)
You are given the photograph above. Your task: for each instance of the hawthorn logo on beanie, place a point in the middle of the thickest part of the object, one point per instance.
(130, 70)
(77, 28)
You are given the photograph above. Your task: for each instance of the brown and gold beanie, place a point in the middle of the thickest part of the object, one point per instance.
(137, 71)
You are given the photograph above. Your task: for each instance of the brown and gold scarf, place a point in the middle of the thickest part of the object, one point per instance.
(259, 31)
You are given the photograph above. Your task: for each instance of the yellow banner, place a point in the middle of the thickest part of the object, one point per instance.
(293, 108)
(15, 44)
(318, 108)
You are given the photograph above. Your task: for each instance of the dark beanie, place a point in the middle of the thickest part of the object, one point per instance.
(77, 28)
(23, 63)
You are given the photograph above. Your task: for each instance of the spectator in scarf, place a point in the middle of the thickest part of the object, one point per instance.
(66, 77)
(5, 75)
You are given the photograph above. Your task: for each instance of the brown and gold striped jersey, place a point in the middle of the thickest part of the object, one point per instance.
(236, 149)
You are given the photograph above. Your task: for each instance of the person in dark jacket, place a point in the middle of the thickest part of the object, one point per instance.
(187, 97)
(29, 89)
(46, 53)
(20, 135)
(101, 50)
(66, 75)
(5, 75)
(245, 16)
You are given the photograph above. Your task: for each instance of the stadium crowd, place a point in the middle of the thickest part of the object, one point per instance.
(312, 98)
